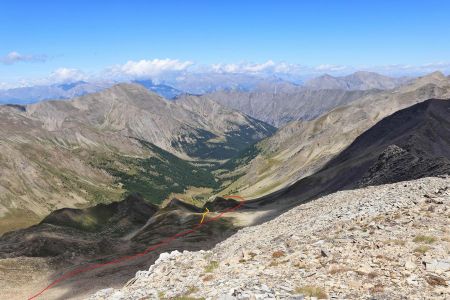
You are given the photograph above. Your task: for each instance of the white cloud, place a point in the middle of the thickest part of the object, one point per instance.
(246, 67)
(66, 75)
(4, 86)
(15, 57)
(330, 68)
(271, 67)
(406, 69)
(149, 68)
(61, 75)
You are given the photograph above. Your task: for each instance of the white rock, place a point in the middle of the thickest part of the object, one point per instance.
(437, 266)
(409, 265)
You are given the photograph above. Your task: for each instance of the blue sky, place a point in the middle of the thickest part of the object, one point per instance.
(83, 37)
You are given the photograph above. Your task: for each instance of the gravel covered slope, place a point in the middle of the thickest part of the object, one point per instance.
(384, 242)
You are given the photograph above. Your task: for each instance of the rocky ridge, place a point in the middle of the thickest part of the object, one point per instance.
(369, 243)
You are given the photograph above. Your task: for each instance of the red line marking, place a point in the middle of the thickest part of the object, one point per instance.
(165, 241)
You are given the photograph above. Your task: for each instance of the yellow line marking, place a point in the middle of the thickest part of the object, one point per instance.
(203, 215)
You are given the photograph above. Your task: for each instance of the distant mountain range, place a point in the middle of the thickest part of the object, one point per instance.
(33, 94)
(282, 102)
(163, 90)
(204, 83)
(200, 83)
(27, 95)
(279, 105)
(357, 81)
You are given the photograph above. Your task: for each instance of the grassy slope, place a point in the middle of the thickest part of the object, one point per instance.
(233, 144)
(154, 177)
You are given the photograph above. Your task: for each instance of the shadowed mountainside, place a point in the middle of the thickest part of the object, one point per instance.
(303, 147)
(409, 144)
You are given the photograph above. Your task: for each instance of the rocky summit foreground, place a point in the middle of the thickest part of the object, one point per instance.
(384, 242)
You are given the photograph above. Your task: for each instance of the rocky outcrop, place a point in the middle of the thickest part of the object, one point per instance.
(373, 242)
(397, 164)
